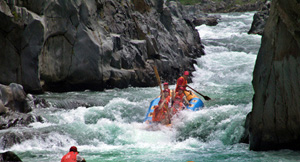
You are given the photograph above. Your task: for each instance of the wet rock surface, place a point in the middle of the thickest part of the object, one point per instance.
(259, 20)
(275, 116)
(9, 157)
(77, 45)
(15, 106)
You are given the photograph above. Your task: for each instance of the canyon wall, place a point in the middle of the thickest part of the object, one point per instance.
(59, 45)
(275, 117)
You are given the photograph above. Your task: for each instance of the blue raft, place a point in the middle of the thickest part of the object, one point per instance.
(195, 102)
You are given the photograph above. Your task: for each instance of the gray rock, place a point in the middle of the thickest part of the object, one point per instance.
(78, 45)
(259, 20)
(9, 156)
(3, 109)
(275, 115)
(22, 40)
(209, 6)
(210, 21)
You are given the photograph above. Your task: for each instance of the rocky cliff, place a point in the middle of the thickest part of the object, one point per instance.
(60, 45)
(259, 19)
(275, 117)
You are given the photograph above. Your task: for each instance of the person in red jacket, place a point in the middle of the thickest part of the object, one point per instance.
(182, 96)
(72, 156)
(177, 106)
(160, 113)
(182, 81)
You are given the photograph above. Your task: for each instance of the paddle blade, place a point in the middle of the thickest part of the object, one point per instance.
(206, 98)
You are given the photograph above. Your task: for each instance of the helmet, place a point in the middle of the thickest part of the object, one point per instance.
(166, 83)
(166, 90)
(73, 148)
(181, 88)
(186, 73)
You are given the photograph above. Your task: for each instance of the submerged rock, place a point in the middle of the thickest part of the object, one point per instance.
(275, 115)
(224, 6)
(9, 156)
(195, 14)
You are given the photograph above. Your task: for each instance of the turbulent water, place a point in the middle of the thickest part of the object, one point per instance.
(110, 128)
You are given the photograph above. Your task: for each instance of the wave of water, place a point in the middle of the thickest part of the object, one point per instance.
(110, 128)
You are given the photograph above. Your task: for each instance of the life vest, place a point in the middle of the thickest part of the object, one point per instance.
(181, 96)
(160, 114)
(168, 99)
(183, 84)
(175, 110)
(190, 95)
(70, 157)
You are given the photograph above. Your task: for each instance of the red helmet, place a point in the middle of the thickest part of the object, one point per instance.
(166, 83)
(166, 90)
(73, 148)
(186, 73)
(181, 88)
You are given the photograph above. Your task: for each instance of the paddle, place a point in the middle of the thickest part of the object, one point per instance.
(157, 77)
(205, 97)
(159, 82)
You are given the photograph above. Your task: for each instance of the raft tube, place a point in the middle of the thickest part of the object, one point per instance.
(196, 104)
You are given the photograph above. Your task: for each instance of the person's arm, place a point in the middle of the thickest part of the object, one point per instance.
(80, 159)
(186, 101)
(162, 104)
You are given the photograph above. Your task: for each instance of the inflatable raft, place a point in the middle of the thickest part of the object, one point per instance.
(195, 105)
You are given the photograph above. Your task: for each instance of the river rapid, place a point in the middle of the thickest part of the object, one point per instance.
(110, 128)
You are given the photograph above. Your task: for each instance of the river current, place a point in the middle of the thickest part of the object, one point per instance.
(110, 127)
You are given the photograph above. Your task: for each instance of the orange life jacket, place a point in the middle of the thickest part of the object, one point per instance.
(159, 114)
(181, 96)
(168, 99)
(183, 84)
(70, 157)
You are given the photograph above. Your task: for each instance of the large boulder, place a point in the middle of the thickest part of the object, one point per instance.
(275, 115)
(15, 105)
(196, 15)
(259, 20)
(14, 97)
(58, 45)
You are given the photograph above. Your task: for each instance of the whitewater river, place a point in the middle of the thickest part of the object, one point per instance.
(111, 128)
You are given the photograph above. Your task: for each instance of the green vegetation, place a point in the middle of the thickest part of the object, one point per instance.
(16, 16)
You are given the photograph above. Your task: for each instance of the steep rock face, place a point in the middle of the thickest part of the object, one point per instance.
(62, 45)
(275, 116)
(21, 39)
